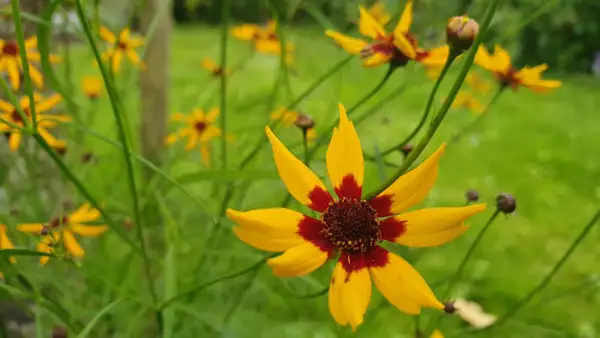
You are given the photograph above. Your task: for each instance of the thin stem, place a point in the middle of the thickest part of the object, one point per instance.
(110, 88)
(439, 117)
(305, 143)
(479, 118)
(223, 78)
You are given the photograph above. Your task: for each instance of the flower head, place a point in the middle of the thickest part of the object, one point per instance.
(468, 101)
(92, 87)
(213, 68)
(352, 228)
(11, 64)
(62, 230)
(287, 117)
(461, 31)
(396, 48)
(124, 45)
(477, 83)
(500, 65)
(9, 113)
(199, 128)
(264, 39)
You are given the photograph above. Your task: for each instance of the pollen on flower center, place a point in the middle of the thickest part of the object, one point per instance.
(200, 127)
(351, 225)
(10, 48)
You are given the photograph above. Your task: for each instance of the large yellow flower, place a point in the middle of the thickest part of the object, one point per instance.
(396, 48)
(125, 45)
(11, 63)
(353, 228)
(500, 64)
(63, 229)
(199, 128)
(9, 113)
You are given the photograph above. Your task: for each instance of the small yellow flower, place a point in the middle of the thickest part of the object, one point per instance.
(396, 48)
(287, 117)
(62, 229)
(264, 39)
(350, 228)
(478, 83)
(42, 105)
(125, 45)
(11, 64)
(5, 242)
(500, 65)
(436, 334)
(92, 87)
(199, 128)
(468, 101)
(378, 12)
(213, 68)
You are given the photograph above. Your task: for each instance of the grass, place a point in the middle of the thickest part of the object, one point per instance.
(539, 147)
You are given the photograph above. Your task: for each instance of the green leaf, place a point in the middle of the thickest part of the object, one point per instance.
(90, 326)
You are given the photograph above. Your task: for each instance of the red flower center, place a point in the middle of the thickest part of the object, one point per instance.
(508, 78)
(351, 225)
(10, 48)
(55, 223)
(16, 117)
(200, 127)
(122, 45)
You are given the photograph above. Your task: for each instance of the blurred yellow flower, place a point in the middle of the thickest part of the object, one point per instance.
(62, 229)
(199, 128)
(5, 242)
(468, 101)
(287, 117)
(478, 83)
(352, 228)
(11, 64)
(436, 334)
(378, 12)
(500, 65)
(92, 87)
(213, 68)
(396, 48)
(264, 39)
(125, 45)
(9, 113)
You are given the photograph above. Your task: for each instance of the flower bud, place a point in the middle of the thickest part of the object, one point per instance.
(449, 307)
(406, 149)
(461, 32)
(472, 195)
(506, 203)
(304, 122)
(128, 223)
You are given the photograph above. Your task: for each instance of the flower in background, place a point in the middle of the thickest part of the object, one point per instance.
(396, 48)
(378, 12)
(478, 83)
(63, 229)
(212, 67)
(124, 45)
(9, 113)
(436, 334)
(92, 87)
(500, 65)
(199, 128)
(353, 228)
(468, 101)
(11, 64)
(287, 117)
(5, 243)
(264, 39)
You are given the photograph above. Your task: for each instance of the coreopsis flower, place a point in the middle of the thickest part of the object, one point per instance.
(506, 74)
(199, 128)
(92, 87)
(264, 39)
(378, 12)
(396, 48)
(352, 228)
(62, 230)
(124, 45)
(12, 65)
(436, 334)
(213, 68)
(9, 113)
(477, 83)
(468, 101)
(287, 117)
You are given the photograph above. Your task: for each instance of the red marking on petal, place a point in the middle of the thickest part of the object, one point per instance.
(382, 204)
(392, 228)
(421, 54)
(311, 230)
(349, 188)
(376, 258)
(319, 199)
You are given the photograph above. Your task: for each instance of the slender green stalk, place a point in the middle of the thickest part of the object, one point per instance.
(479, 119)
(305, 143)
(110, 88)
(439, 117)
(223, 65)
(20, 36)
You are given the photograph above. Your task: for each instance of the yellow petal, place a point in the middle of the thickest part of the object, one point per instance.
(349, 296)
(6, 107)
(268, 46)
(13, 72)
(31, 42)
(377, 59)
(192, 141)
(88, 230)
(135, 42)
(36, 77)
(72, 245)
(268, 229)
(350, 45)
(368, 26)
(345, 163)
(31, 228)
(412, 187)
(435, 226)
(542, 86)
(212, 114)
(133, 57)
(407, 48)
(124, 36)
(436, 334)
(483, 59)
(209, 64)
(405, 21)
(115, 59)
(14, 140)
(299, 180)
(5, 242)
(377, 11)
(107, 35)
(50, 139)
(403, 286)
(48, 103)
(436, 57)
(43, 247)
(501, 59)
(85, 213)
(245, 32)
(299, 260)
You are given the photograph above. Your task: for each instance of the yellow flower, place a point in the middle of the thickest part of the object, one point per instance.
(5, 242)
(63, 229)
(287, 117)
(92, 86)
(212, 67)
(11, 64)
(264, 39)
(500, 65)
(126, 44)
(42, 105)
(478, 84)
(199, 128)
(468, 101)
(396, 48)
(352, 227)
(378, 12)
(436, 334)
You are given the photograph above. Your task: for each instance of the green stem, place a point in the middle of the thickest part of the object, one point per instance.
(305, 143)
(110, 88)
(439, 117)
(223, 65)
